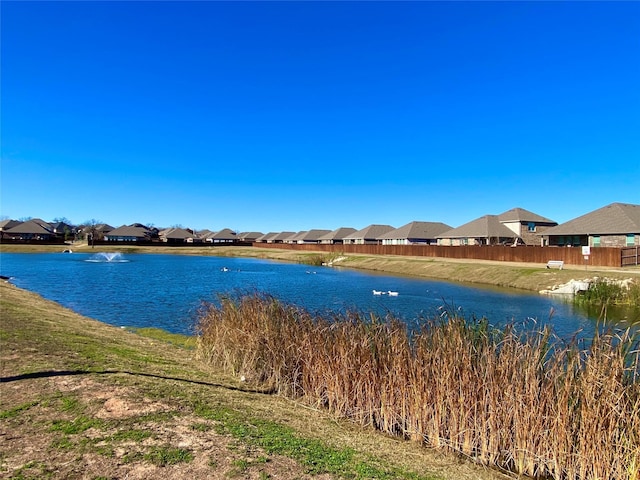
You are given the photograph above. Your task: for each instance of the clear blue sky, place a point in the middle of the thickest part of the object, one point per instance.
(275, 116)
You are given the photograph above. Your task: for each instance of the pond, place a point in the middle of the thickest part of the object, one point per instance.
(166, 291)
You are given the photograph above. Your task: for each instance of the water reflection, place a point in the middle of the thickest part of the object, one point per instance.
(166, 291)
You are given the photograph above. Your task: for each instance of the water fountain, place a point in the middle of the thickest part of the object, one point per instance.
(107, 257)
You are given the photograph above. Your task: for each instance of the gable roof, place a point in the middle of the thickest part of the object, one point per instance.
(488, 226)
(312, 235)
(521, 215)
(372, 232)
(248, 236)
(283, 236)
(7, 224)
(177, 234)
(224, 234)
(127, 231)
(267, 236)
(337, 234)
(31, 227)
(615, 218)
(422, 230)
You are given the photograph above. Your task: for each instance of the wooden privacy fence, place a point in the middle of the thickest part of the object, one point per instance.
(601, 256)
(630, 256)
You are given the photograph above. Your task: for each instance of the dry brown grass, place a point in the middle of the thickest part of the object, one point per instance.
(522, 401)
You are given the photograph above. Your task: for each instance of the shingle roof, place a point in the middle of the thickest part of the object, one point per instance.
(29, 227)
(296, 236)
(313, 235)
(417, 230)
(283, 236)
(372, 232)
(488, 226)
(224, 234)
(7, 224)
(615, 218)
(127, 231)
(338, 233)
(248, 236)
(177, 234)
(267, 236)
(521, 215)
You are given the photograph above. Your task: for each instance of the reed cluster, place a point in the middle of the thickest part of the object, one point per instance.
(604, 291)
(524, 401)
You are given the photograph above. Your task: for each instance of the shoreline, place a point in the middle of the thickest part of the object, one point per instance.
(522, 276)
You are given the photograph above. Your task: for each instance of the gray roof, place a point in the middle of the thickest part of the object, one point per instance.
(29, 227)
(177, 233)
(372, 232)
(7, 224)
(488, 226)
(338, 233)
(417, 230)
(248, 236)
(521, 215)
(127, 231)
(296, 236)
(616, 218)
(224, 234)
(313, 235)
(267, 236)
(283, 236)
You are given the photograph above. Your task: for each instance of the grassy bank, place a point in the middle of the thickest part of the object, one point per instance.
(519, 400)
(81, 399)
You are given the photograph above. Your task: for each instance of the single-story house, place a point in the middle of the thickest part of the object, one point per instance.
(30, 230)
(294, 238)
(175, 236)
(282, 237)
(368, 235)
(312, 236)
(267, 237)
(127, 233)
(486, 230)
(413, 233)
(249, 236)
(525, 224)
(336, 236)
(7, 225)
(226, 235)
(614, 225)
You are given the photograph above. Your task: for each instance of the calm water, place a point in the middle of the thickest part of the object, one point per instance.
(165, 291)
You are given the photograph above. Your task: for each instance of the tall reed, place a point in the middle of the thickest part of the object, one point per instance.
(524, 401)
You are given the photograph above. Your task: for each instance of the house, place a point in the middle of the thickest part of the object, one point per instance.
(249, 236)
(525, 224)
(415, 233)
(294, 238)
(6, 225)
(368, 235)
(127, 233)
(30, 230)
(486, 230)
(312, 236)
(281, 237)
(614, 225)
(63, 230)
(336, 236)
(175, 236)
(226, 235)
(267, 237)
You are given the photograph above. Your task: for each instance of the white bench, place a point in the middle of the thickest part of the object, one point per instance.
(555, 263)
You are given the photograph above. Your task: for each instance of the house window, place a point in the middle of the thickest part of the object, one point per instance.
(596, 240)
(531, 227)
(631, 239)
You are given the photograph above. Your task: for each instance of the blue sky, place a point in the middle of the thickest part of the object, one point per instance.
(275, 116)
